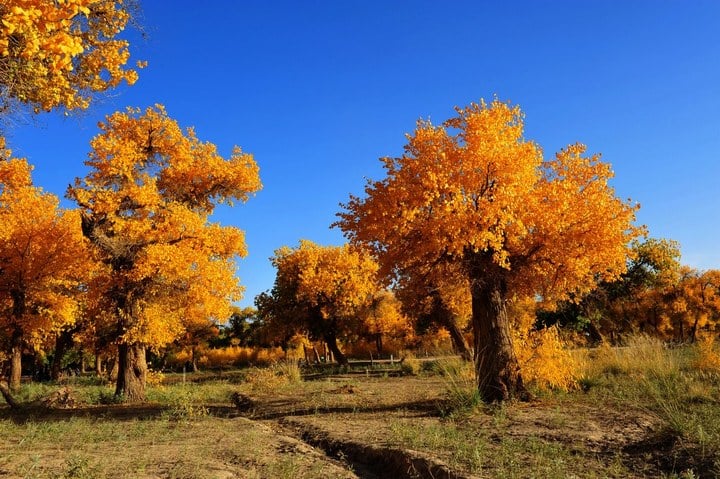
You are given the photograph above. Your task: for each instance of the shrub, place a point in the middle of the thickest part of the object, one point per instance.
(707, 357)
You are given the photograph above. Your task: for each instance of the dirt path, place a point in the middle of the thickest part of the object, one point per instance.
(391, 427)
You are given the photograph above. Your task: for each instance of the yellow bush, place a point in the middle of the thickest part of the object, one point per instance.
(154, 378)
(543, 355)
(545, 360)
(707, 357)
(230, 356)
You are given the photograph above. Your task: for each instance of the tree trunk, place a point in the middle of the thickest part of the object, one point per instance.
(496, 367)
(18, 313)
(113, 368)
(5, 391)
(62, 343)
(445, 318)
(460, 345)
(132, 372)
(331, 341)
(193, 361)
(379, 343)
(16, 361)
(98, 364)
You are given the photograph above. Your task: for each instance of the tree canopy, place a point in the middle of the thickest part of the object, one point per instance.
(145, 208)
(320, 290)
(43, 261)
(474, 193)
(59, 53)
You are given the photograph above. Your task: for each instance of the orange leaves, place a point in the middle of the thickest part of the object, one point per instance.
(146, 206)
(56, 54)
(334, 278)
(43, 256)
(475, 185)
(321, 288)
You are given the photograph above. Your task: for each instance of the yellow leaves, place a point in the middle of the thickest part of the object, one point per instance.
(43, 256)
(58, 53)
(332, 283)
(146, 203)
(475, 185)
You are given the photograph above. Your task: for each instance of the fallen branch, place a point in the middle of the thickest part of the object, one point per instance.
(5, 391)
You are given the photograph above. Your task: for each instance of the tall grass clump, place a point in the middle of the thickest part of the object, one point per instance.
(461, 391)
(678, 385)
(278, 375)
(638, 357)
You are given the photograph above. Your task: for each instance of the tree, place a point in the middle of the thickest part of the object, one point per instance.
(692, 303)
(437, 296)
(383, 318)
(635, 302)
(473, 193)
(43, 261)
(145, 208)
(321, 290)
(59, 53)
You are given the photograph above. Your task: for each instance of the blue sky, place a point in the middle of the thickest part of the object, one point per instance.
(319, 90)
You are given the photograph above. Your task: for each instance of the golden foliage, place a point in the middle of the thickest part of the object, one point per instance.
(543, 356)
(474, 185)
(231, 356)
(43, 256)
(708, 356)
(145, 207)
(474, 195)
(320, 289)
(57, 53)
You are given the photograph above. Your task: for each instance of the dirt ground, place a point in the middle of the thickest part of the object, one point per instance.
(347, 426)
(394, 426)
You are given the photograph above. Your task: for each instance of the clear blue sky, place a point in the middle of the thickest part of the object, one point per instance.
(319, 90)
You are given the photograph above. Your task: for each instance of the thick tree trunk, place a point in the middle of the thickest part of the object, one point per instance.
(496, 366)
(16, 361)
(331, 341)
(132, 372)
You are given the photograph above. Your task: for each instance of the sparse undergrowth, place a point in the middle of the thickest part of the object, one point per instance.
(643, 410)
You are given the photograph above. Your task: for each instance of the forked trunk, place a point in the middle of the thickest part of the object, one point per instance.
(331, 341)
(496, 366)
(132, 372)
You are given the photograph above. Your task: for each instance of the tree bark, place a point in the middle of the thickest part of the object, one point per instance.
(445, 318)
(18, 312)
(132, 372)
(98, 364)
(16, 361)
(459, 342)
(496, 366)
(331, 341)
